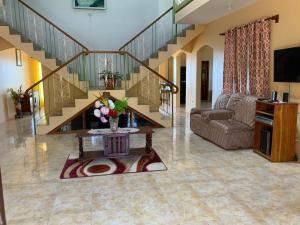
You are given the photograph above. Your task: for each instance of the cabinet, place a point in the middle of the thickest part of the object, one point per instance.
(282, 124)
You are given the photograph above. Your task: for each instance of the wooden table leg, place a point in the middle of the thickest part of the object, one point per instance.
(149, 142)
(80, 142)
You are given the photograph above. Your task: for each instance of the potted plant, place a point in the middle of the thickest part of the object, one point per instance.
(109, 111)
(110, 79)
(16, 96)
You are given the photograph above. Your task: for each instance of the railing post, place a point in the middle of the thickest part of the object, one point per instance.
(33, 112)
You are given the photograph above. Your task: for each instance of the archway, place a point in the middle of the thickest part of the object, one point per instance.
(204, 87)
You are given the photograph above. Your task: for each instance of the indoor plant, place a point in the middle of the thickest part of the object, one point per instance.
(108, 110)
(110, 79)
(16, 97)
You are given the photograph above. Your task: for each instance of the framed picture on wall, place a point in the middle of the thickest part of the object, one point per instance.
(89, 4)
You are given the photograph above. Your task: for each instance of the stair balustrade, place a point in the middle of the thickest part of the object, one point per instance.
(156, 37)
(100, 71)
(37, 29)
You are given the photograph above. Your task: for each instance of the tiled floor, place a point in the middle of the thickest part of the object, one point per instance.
(204, 184)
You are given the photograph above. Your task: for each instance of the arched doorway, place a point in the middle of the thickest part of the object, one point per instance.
(204, 76)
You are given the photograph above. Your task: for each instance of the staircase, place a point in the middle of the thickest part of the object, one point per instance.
(150, 93)
(34, 34)
(74, 72)
(161, 39)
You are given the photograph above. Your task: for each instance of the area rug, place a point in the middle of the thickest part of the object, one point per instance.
(99, 167)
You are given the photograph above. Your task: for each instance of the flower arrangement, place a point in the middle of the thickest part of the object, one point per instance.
(106, 108)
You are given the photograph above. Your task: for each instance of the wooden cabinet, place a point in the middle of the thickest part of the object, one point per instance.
(2, 209)
(282, 128)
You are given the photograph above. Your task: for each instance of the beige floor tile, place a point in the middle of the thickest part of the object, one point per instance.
(204, 185)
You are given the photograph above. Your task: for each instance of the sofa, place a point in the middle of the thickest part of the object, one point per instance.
(230, 124)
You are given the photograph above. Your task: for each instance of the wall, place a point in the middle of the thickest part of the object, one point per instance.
(164, 5)
(101, 29)
(12, 76)
(284, 34)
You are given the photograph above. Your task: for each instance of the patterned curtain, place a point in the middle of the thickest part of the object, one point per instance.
(247, 48)
(241, 60)
(259, 57)
(229, 59)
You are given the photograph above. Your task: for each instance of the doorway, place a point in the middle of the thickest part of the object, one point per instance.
(182, 85)
(204, 80)
(204, 86)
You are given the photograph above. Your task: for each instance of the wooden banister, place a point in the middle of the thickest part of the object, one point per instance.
(146, 28)
(174, 87)
(52, 24)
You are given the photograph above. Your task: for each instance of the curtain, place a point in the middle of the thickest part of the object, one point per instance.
(247, 59)
(229, 66)
(259, 58)
(241, 60)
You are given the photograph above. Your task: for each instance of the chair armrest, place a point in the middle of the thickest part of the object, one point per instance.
(218, 115)
(199, 111)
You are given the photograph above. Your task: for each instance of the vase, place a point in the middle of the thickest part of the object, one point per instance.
(114, 123)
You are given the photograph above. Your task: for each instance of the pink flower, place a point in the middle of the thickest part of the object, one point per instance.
(104, 110)
(98, 104)
(103, 119)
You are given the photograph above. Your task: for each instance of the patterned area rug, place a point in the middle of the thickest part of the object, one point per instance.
(105, 166)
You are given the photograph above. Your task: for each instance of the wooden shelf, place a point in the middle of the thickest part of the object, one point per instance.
(265, 113)
(283, 130)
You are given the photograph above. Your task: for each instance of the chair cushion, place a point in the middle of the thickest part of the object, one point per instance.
(199, 111)
(248, 110)
(235, 104)
(221, 102)
(230, 126)
(217, 115)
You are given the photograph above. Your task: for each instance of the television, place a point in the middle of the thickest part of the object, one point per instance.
(287, 65)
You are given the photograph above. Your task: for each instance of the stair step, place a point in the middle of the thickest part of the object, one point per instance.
(59, 62)
(25, 40)
(154, 55)
(191, 27)
(181, 34)
(146, 62)
(3, 23)
(136, 69)
(164, 48)
(172, 41)
(37, 47)
(13, 31)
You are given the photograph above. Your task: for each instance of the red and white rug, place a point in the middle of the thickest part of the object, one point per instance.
(105, 166)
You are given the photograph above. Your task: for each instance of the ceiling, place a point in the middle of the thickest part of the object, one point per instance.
(206, 11)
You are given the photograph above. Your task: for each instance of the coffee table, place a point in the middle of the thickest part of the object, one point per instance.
(86, 155)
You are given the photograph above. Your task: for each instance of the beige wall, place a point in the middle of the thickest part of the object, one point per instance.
(12, 76)
(284, 34)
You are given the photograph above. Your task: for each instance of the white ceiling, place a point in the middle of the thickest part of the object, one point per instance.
(203, 12)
